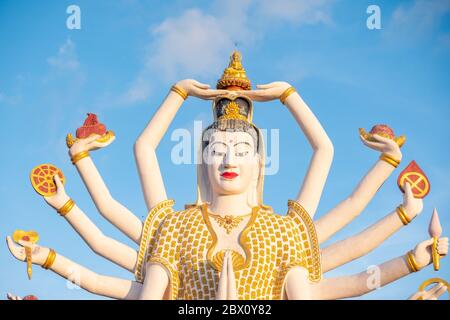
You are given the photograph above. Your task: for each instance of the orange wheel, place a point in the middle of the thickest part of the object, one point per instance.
(42, 179)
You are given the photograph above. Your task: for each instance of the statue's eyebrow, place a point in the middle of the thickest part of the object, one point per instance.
(244, 142)
(216, 142)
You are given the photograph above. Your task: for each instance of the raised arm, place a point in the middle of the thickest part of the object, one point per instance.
(88, 280)
(351, 207)
(365, 282)
(359, 245)
(109, 208)
(104, 246)
(145, 146)
(314, 182)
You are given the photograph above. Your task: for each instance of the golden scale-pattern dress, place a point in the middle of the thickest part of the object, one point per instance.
(184, 242)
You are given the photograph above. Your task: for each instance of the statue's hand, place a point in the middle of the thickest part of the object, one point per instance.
(232, 292)
(422, 252)
(432, 294)
(266, 92)
(38, 254)
(199, 90)
(412, 205)
(60, 197)
(11, 296)
(227, 281)
(221, 293)
(383, 145)
(88, 144)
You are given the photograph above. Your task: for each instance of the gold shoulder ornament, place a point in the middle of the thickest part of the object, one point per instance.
(310, 242)
(151, 225)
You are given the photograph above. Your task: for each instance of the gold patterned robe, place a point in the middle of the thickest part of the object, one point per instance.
(184, 242)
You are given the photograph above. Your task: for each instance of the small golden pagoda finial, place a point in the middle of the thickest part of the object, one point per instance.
(234, 75)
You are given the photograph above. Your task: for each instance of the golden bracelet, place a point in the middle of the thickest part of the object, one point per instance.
(183, 94)
(79, 156)
(401, 212)
(66, 207)
(286, 94)
(389, 159)
(412, 264)
(50, 259)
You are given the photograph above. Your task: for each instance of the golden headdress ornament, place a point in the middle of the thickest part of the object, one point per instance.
(234, 75)
(233, 106)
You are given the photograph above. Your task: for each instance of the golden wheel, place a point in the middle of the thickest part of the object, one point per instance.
(420, 185)
(426, 283)
(42, 179)
(30, 236)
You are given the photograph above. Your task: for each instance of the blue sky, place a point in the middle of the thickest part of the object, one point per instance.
(122, 62)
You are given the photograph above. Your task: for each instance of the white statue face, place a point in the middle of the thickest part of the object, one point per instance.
(232, 163)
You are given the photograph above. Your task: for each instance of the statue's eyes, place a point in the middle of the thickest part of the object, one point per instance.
(218, 153)
(242, 153)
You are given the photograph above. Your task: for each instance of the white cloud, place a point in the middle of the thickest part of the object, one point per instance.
(197, 44)
(66, 58)
(138, 91)
(192, 43)
(418, 20)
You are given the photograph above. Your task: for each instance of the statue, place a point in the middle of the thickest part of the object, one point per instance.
(229, 244)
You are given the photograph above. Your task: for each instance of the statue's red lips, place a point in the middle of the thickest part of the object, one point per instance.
(229, 175)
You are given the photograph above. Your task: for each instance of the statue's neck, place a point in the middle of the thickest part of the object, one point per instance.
(235, 204)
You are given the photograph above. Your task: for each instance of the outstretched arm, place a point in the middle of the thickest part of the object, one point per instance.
(88, 280)
(109, 208)
(145, 146)
(352, 248)
(364, 282)
(314, 182)
(350, 208)
(104, 246)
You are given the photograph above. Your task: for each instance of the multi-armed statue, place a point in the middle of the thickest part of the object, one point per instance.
(229, 244)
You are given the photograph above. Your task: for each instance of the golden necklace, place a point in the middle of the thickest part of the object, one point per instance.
(228, 222)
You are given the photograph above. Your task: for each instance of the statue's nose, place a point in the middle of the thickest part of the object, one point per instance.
(229, 161)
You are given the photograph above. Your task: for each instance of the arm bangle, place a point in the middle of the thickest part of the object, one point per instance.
(389, 159)
(50, 259)
(65, 209)
(411, 261)
(79, 156)
(182, 93)
(401, 212)
(286, 94)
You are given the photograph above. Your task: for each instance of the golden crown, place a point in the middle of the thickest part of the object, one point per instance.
(232, 105)
(234, 75)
